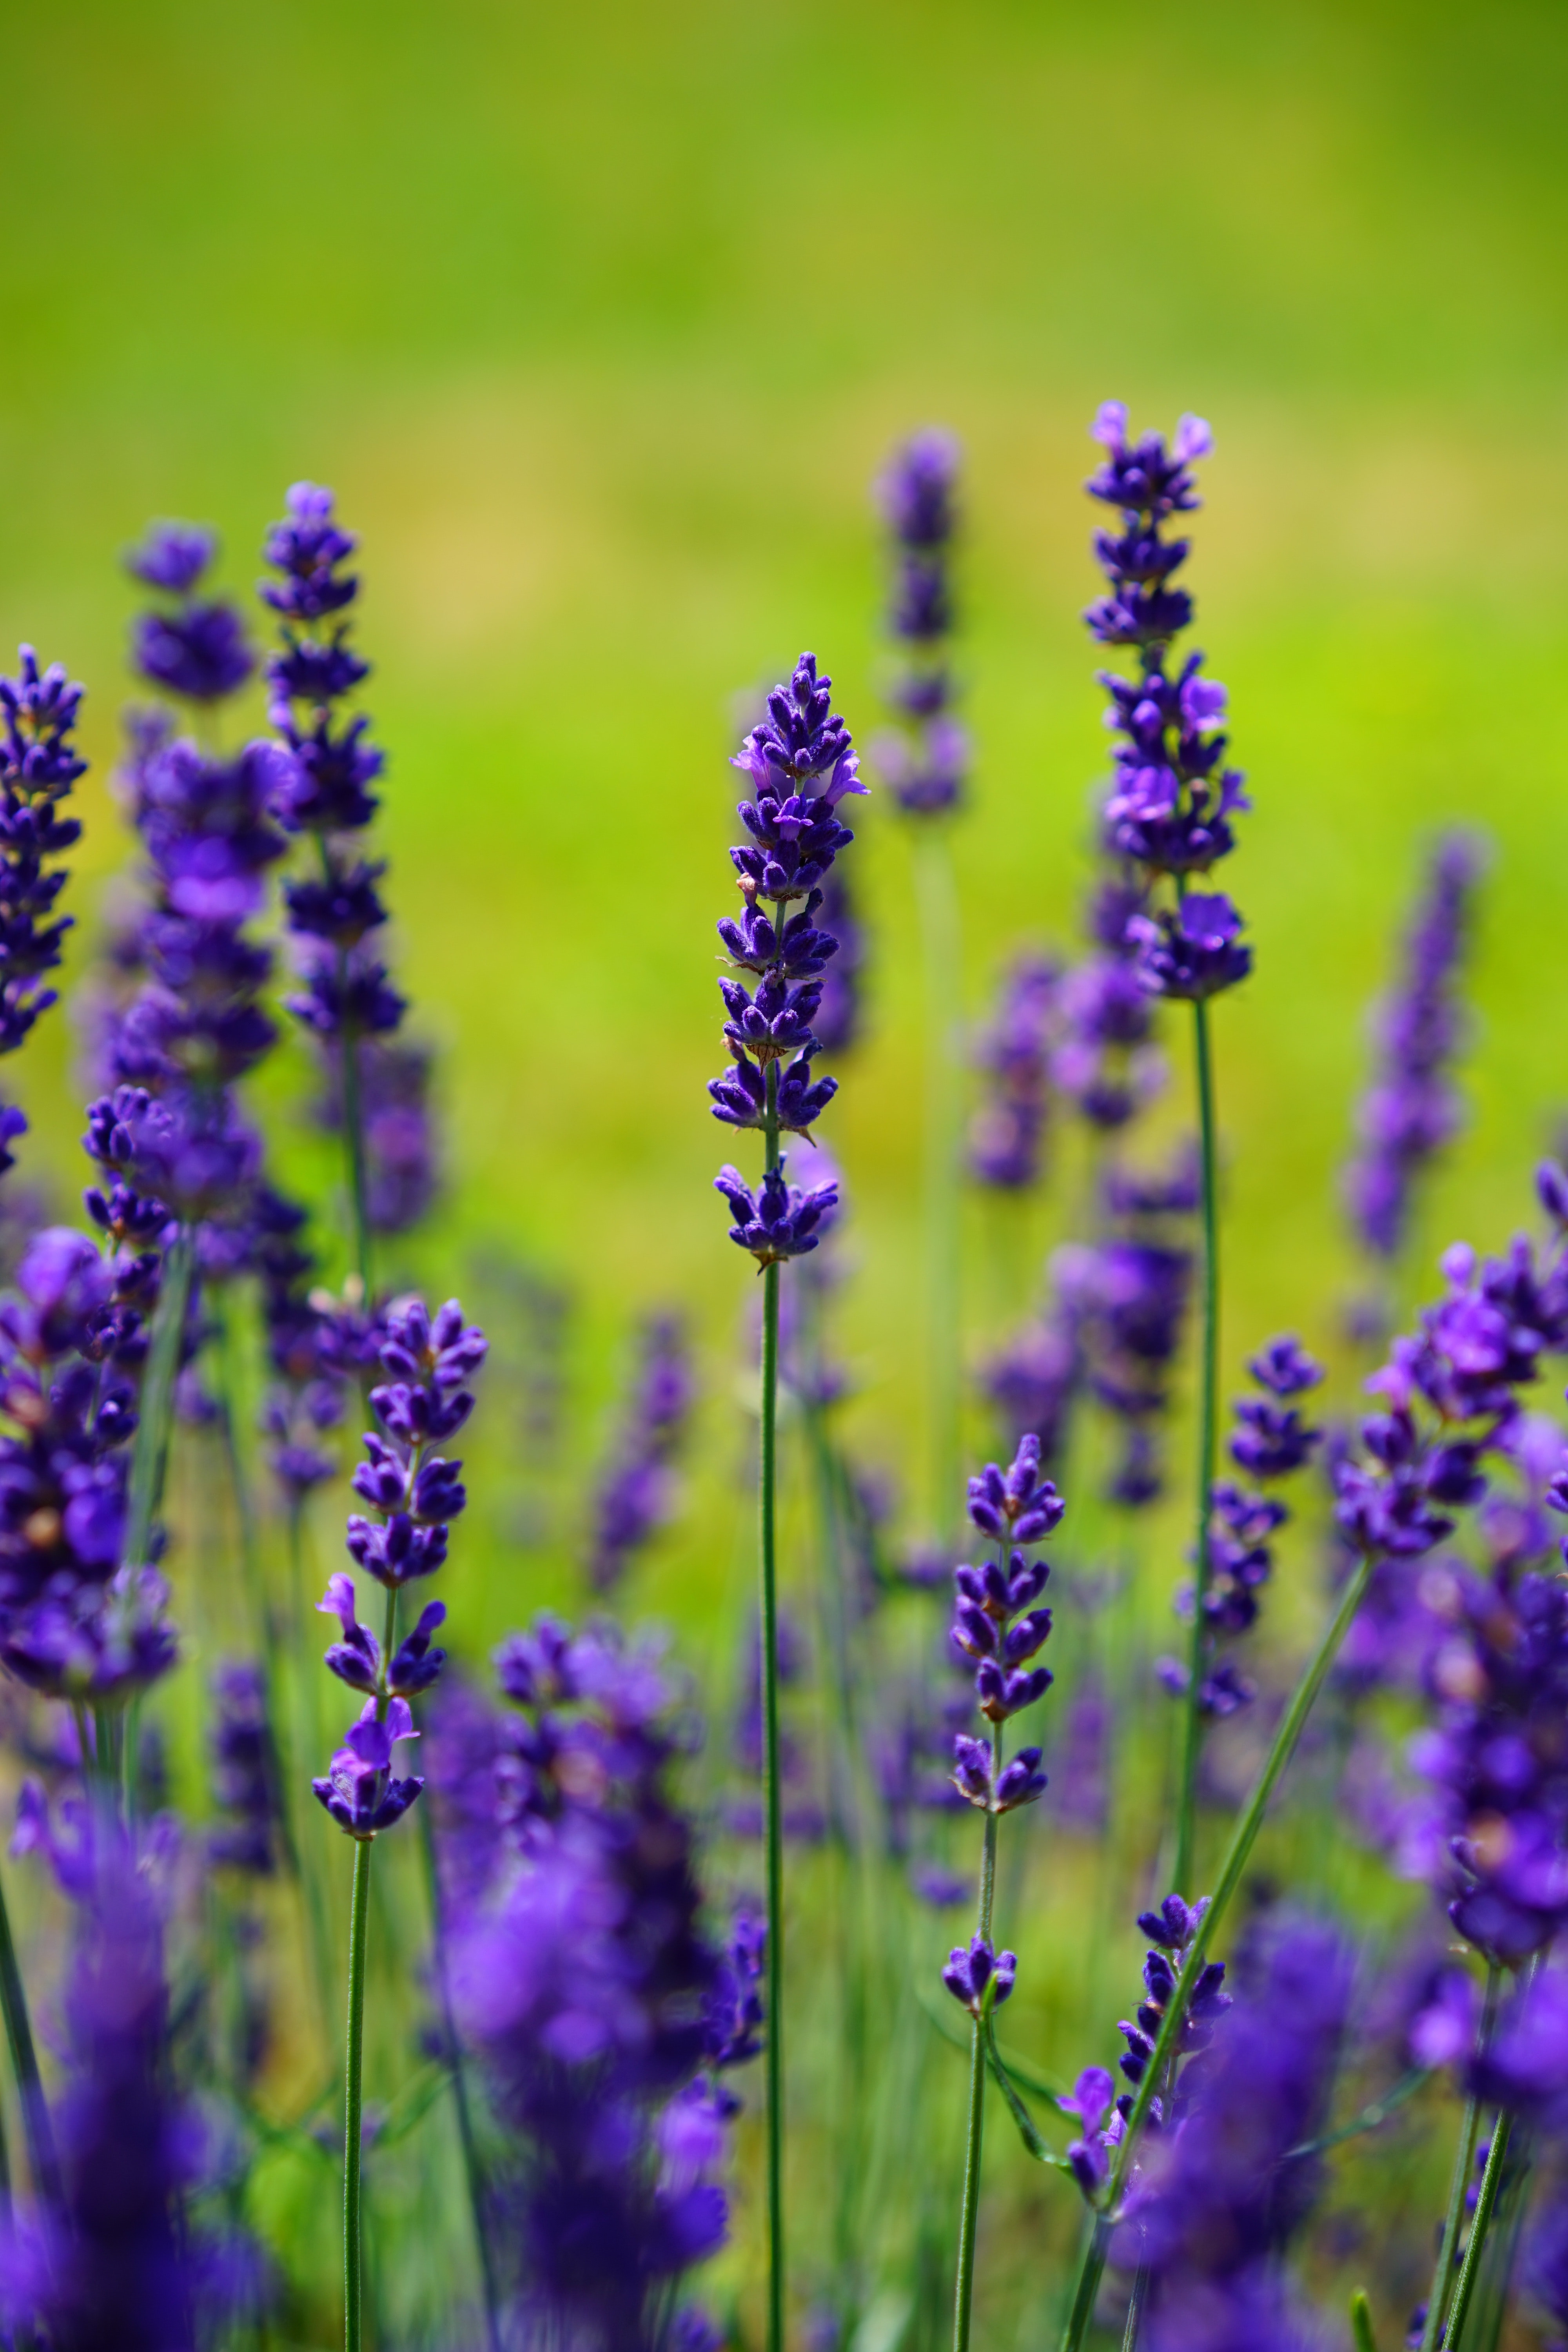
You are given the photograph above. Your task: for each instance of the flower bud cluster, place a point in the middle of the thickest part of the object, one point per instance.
(190, 645)
(1269, 1442)
(997, 1625)
(39, 764)
(415, 1494)
(801, 763)
(1172, 800)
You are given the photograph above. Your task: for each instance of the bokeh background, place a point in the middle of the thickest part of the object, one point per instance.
(599, 320)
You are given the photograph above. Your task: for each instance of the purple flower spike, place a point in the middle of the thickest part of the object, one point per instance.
(1284, 1368)
(173, 556)
(1412, 1108)
(926, 761)
(1019, 1506)
(969, 1975)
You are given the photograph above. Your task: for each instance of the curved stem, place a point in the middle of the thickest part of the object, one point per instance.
(1243, 1838)
(1209, 1405)
(773, 1793)
(969, 2215)
(359, 1921)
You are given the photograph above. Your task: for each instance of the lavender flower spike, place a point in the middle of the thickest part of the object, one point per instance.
(925, 763)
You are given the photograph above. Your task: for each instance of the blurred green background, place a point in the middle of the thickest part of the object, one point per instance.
(599, 320)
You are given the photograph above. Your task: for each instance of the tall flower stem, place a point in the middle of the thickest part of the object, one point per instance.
(1243, 1838)
(354, 2099)
(1433, 2331)
(1209, 1413)
(767, 1545)
(937, 899)
(35, 2125)
(964, 2298)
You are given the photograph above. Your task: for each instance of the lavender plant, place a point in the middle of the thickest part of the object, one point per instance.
(801, 763)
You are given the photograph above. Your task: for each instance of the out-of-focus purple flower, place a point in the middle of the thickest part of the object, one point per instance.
(173, 556)
(1009, 1131)
(1033, 1380)
(924, 764)
(1127, 1298)
(125, 2263)
(593, 2001)
(1412, 1108)
(632, 1498)
(189, 646)
(244, 1771)
(1213, 2200)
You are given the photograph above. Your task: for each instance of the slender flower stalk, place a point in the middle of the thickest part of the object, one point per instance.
(1170, 818)
(801, 763)
(415, 1494)
(996, 1624)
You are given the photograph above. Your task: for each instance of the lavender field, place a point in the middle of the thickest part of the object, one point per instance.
(782, 1329)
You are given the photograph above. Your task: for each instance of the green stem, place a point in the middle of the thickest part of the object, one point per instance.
(963, 2297)
(1361, 2322)
(939, 924)
(472, 2170)
(36, 2124)
(1243, 1838)
(150, 1449)
(1136, 2304)
(1208, 1404)
(766, 1485)
(1464, 2165)
(1486, 2204)
(359, 1920)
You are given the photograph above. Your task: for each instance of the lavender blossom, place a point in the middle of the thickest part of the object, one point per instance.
(1270, 1441)
(926, 761)
(1172, 800)
(594, 2001)
(245, 1773)
(1008, 1133)
(414, 1492)
(1412, 1109)
(188, 646)
(38, 766)
(996, 1624)
(632, 1496)
(1215, 2194)
(1126, 1298)
(1103, 1059)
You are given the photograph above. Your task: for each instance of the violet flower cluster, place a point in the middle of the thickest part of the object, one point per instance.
(996, 1624)
(1412, 1108)
(38, 766)
(334, 907)
(191, 644)
(74, 1621)
(1218, 2193)
(1103, 1058)
(601, 2015)
(1007, 1135)
(414, 1492)
(120, 2259)
(1172, 799)
(801, 763)
(1102, 2113)
(1270, 1441)
(1127, 1296)
(632, 1496)
(926, 761)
